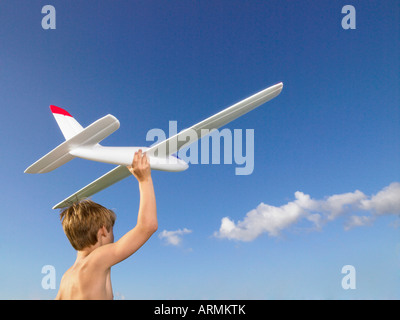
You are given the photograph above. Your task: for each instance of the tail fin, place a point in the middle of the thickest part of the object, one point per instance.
(76, 137)
(67, 123)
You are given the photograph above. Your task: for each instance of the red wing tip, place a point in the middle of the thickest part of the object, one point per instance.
(58, 110)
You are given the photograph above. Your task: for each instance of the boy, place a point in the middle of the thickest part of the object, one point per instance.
(89, 227)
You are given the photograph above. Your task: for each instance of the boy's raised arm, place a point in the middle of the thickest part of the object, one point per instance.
(147, 217)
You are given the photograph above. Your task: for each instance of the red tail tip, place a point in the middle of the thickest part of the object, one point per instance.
(58, 110)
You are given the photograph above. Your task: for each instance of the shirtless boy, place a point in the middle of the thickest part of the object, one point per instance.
(89, 228)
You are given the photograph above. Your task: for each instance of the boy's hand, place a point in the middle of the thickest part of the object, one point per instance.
(140, 167)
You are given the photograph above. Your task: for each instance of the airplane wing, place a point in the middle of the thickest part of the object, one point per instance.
(178, 141)
(108, 179)
(175, 143)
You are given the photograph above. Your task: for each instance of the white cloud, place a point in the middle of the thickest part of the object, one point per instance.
(357, 221)
(272, 220)
(173, 237)
(266, 218)
(340, 204)
(386, 201)
(119, 296)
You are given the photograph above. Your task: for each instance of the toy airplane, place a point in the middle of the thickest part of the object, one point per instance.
(84, 143)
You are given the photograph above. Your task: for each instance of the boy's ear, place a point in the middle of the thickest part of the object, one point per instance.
(102, 232)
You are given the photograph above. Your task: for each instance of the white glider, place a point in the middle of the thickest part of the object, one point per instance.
(84, 143)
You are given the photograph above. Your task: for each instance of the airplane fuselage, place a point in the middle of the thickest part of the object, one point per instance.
(124, 156)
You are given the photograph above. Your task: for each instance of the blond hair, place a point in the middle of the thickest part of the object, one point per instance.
(82, 221)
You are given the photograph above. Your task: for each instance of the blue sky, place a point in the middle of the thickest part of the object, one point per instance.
(334, 129)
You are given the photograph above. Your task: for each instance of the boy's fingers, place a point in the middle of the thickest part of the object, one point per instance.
(140, 160)
(135, 159)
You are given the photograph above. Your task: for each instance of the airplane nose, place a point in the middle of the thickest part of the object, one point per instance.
(184, 164)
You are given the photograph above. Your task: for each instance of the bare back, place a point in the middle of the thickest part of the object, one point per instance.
(83, 282)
